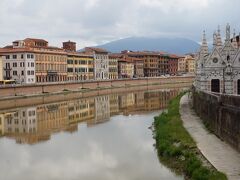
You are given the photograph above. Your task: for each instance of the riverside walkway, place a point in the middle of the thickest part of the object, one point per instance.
(221, 155)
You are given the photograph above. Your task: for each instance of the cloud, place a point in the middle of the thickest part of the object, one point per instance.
(97, 21)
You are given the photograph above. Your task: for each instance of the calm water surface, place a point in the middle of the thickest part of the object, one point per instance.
(103, 138)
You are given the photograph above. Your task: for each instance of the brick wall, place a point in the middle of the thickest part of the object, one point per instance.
(76, 86)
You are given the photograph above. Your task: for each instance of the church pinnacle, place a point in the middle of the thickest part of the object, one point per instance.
(204, 46)
(228, 33)
(234, 40)
(219, 39)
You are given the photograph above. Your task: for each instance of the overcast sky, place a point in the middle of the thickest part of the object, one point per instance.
(92, 22)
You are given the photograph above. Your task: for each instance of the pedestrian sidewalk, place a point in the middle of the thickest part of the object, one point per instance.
(221, 155)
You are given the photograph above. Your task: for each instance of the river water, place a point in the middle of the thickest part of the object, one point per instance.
(97, 138)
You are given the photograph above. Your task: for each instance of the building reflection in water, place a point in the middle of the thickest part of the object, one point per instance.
(35, 124)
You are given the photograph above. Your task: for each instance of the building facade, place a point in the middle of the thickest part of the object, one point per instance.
(138, 67)
(101, 62)
(79, 67)
(33, 61)
(173, 64)
(181, 65)
(150, 62)
(19, 65)
(219, 70)
(113, 68)
(125, 68)
(190, 64)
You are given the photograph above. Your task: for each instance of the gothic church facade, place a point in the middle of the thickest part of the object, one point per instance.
(218, 71)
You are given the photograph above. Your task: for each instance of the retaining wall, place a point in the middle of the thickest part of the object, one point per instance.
(221, 113)
(34, 89)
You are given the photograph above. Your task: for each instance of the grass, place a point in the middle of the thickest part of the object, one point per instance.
(176, 148)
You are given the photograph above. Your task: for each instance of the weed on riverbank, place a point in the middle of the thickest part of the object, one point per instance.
(176, 148)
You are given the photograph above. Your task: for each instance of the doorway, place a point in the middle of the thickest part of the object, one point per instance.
(215, 85)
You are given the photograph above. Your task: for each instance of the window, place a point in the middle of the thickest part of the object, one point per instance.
(14, 64)
(32, 72)
(32, 64)
(22, 56)
(7, 56)
(215, 60)
(15, 73)
(70, 70)
(22, 73)
(32, 56)
(70, 61)
(14, 56)
(28, 72)
(28, 56)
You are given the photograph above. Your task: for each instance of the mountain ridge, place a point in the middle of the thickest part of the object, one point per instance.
(170, 45)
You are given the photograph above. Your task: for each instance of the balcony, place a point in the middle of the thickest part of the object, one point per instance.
(7, 68)
(51, 73)
(7, 77)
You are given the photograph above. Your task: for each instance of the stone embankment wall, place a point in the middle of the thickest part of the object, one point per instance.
(36, 89)
(221, 113)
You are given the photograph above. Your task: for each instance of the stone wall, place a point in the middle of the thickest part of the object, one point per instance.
(36, 89)
(221, 114)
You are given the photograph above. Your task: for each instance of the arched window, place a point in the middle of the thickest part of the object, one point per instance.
(228, 57)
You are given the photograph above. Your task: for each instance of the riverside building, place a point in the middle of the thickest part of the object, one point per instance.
(101, 62)
(33, 61)
(79, 65)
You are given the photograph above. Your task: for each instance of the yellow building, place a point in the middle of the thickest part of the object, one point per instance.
(1, 68)
(125, 68)
(181, 65)
(51, 66)
(190, 64)
(113, 68)
(79, 66)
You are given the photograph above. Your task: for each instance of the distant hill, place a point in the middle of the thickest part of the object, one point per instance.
(171, 45)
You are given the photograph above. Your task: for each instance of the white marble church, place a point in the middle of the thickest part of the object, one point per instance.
(219, 70)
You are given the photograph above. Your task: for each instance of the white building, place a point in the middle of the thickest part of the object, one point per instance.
(18, 64)
(101, 62)
(219, 70)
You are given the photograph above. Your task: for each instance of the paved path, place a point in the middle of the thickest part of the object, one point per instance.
(222, 156)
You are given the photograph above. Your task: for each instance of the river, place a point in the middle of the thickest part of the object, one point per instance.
(104, 138)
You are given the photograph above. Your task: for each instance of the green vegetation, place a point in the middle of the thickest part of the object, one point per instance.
(176, 148)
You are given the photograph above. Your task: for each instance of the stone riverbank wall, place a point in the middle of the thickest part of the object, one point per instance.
(221, 114)
(36, 89)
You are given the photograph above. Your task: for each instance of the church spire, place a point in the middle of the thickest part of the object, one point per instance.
(204, 46)
(228, 33)
(234, 40)
(219, 39)
(214, 39)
